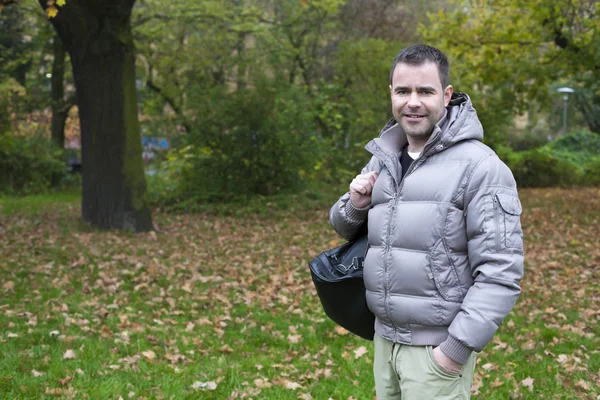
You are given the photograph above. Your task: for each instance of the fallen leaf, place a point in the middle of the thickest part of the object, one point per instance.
(105, 332)
(497, 382)
(261, 383)
(340, 330)
(292, 385)
(582, 385)
(37, 373)
(294, 338)
(68, 393)
(361, 351)
(528, 383)
(69, 355)
(65, 380)
(149, 354)
(204, 385)
(562, 358)
(529, 345)
(488, 367)
(225, 349)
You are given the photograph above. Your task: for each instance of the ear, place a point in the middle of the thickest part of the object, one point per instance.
(448, 95)
(391, 91)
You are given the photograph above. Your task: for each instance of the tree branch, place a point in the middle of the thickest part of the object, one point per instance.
(170, 101)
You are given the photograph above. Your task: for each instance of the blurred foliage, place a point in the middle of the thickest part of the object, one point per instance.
(260, 97)
(541, 168)
(507, 53)
(30, 165)
(12, 96)
(579, 142)
(249, 142)
(571, 160)
(272, 95)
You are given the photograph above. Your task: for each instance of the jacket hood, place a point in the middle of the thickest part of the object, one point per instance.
(459, 123)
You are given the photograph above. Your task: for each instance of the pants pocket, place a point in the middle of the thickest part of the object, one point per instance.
(437, 368)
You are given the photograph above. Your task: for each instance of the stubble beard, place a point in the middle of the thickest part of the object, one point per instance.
(422, 131)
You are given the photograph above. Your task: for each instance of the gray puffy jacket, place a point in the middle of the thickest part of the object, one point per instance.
(446, 249)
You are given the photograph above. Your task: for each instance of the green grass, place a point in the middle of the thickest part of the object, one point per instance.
(36, 204)
(223, 297)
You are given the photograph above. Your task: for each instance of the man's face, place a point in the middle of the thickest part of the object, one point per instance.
(418, 99)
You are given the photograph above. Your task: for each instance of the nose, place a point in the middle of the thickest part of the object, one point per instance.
(414, 101)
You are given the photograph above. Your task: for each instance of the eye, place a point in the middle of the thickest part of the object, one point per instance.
(401, 92)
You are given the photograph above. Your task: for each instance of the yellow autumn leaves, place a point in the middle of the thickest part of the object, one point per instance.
(52, 11)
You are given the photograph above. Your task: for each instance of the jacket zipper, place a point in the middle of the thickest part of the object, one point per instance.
(497, 221)
(388, 255)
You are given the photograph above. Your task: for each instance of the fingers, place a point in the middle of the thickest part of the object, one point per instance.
(372, 176)
(364, 183)
(358, 187)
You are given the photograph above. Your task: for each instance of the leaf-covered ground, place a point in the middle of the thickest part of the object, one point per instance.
(214, 307)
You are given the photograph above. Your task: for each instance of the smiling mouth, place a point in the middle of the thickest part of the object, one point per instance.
(413, 116)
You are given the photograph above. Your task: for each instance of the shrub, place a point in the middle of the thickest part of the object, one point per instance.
(526, 141)
(540, 168)
(591, 173)
(29, 164)
(571, 160)
(578, 141)
(579, 147)
(256, 141)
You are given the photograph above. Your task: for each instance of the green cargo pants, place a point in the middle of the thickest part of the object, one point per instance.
(411, 373)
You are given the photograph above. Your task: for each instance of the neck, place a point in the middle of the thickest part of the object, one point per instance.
(416, 145)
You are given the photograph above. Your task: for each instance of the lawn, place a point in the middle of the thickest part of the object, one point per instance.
(220, 305)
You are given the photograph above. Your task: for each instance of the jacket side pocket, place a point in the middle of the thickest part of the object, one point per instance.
(444, 274)
(507, 210)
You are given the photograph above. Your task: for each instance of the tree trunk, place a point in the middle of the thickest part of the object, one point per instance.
(97, 35)
(60, 108)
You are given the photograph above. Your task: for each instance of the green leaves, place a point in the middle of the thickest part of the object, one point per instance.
(507, 52)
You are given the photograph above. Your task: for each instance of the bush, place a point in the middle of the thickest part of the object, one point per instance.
(29, 165)
(526, 141)
(591, 173)
(579, 147)
(540, 168)
(257, 141)
(571, 160)
(579, 141)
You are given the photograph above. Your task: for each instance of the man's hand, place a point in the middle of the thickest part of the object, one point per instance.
(361, 188)
(446, 362)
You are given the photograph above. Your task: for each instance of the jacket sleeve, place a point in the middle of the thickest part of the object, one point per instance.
(495, 251)
(345, 219)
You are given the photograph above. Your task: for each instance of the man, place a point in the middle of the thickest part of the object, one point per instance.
(445, 251)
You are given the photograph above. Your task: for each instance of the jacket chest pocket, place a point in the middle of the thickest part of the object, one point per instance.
(507, 212)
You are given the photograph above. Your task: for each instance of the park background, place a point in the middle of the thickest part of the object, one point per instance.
(166, 169)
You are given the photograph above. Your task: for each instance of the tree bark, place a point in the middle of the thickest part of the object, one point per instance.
(60, 107)
(97, 35)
